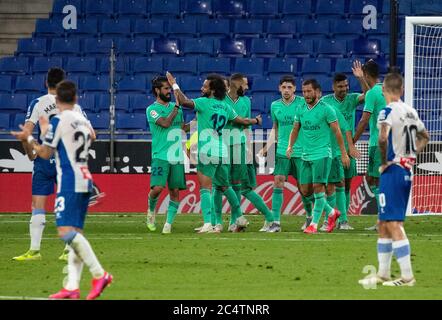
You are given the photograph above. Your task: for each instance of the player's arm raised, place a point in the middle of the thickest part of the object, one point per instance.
(293, 137)
(248, 121)
(337, 132)
(362, 125)
(181, 98)
(359, 74)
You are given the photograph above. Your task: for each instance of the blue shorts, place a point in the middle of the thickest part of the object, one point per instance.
(71, 209)
(44, 177)
(394, 193)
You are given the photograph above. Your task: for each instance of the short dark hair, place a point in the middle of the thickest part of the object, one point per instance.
(217, 85)
(371, 69)
(313, 82)
(339, 77)
(157, 83)
(289, 79)
(55, 76)
(393, 82)
(237, 76)
(66, 92)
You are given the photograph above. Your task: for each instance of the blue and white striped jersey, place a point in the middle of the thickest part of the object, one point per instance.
(69, 134)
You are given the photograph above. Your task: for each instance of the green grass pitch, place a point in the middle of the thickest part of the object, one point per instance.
(248, 265)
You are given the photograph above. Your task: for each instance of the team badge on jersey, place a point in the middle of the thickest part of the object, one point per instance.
(154, 114)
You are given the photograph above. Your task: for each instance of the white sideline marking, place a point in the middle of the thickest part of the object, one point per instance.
(22, 298)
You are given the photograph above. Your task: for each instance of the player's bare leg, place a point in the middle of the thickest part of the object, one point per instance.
(154, 195)
(172, 210)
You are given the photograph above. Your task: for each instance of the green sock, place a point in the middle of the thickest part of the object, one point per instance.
(277, 200)
(320, 203)
(331, 201)
(307, 205)
(340, 201)
(311, 199)
(237, 189)
(172, 211)
(152, 204)
(218, 206)
(347, 200)
(206, 204)
(212, 216)
(259, 204)
(234, 204)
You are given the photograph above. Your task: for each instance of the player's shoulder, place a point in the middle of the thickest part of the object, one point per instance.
(386, 111)
(276, 103)
(327, 97)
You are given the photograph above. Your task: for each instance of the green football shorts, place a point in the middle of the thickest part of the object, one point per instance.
(352, 171)
(164, 172)
(315, 171)
(285, 166)
(336, 171)
(374, 162)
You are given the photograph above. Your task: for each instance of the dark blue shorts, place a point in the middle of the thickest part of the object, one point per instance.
(394, 193)
(44, 178)
(71, 209)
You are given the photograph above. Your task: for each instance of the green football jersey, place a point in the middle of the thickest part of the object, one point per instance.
(343, 125)
(374, 103)
(315, 126)
(284, 116)
(243, 108)
(212, 116)
(347, 107)
(166, 142)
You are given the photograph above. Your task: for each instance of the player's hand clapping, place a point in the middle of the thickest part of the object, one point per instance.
(354, 152)
(345, 161)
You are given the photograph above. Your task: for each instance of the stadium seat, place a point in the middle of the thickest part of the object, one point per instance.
(217, 65)
(153, 65)
(165, 47)
(316, 29)
(250, 67)
(281, 28)
(122, 102)
(346, 29)
(95, 84)
(81, 65)
(356, 7)
(191, 83)
(58, 6)
(316, 66)
(18, 120)
(265, 84)
(258, 103)
(99, 8)
(267, 8)
(248, 28)
(31, 47)
(406, 7)
(325, 82)
(4, 121)
(149, 28)
(166, 8)
(198, 7)
(186, 28)
(5, 84)
(229, 8)
(264, 48)
(332, 49)
(200, 46)
(344, 65)
(131, 121)
(14, 102)
(219, 28)
(99, 121)
(135, 84)
(137, 8)
(115, 28)
(281, 66)
(49, 28)
(85, 28)
(140, 102)
(364, 48)
(298, 48)
(122, 65)
(65, 47)
(330, 8)
(14, 65)
(182, 65)
(270, 98)
(97, 47)
(87, 102)
(232, 48)
(137, 46)
(297, 8)
(43, 64)
(382, 29)
(103, 102)
(30, 84)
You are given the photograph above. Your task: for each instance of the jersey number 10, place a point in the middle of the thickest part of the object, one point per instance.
(410, 136)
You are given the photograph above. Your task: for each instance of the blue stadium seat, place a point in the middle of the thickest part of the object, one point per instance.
(346, 29)
(130, 122)
(152, 65)
(87, 102)
(250, 67)
(43, 64)
(270, 98)
(317, 29)
(136, 84)
(229, 8)
(49, 28)
(122, 102)
(58, 6)
(316, 66)
(265, 48)
(85, 28)
(267, 122)
(198, 7)
(165, 47)
(191, 83)
(364, 48)
(115, 28)
(217, 65)
(297, 8)
(137, 46)
(382, 29)
(331, 8)
(265, 84)
(95, 84)
(332, 49)
(267, 8)
(65, 47)
(298, 48)
(4, 121)
(103, 102)
(99, 121)
(97, 47)
(137, 8)
(30, 84)
(14, 102)
(14, 65)
(200, 46)
(81, 65)
(406, 7)
(344, 65)
(258, 103)
(182, 65)
(219, 28)
(5, 84)
(356, 7)
(122, 65)
(183, 28)
(281, 28)
(31, 47)
(166, 8)
(281, 66)
(325, 82)
(140, 102)
(18, 120)
(99, 8)
(149, 28)
(232, 48)
(248, 28)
